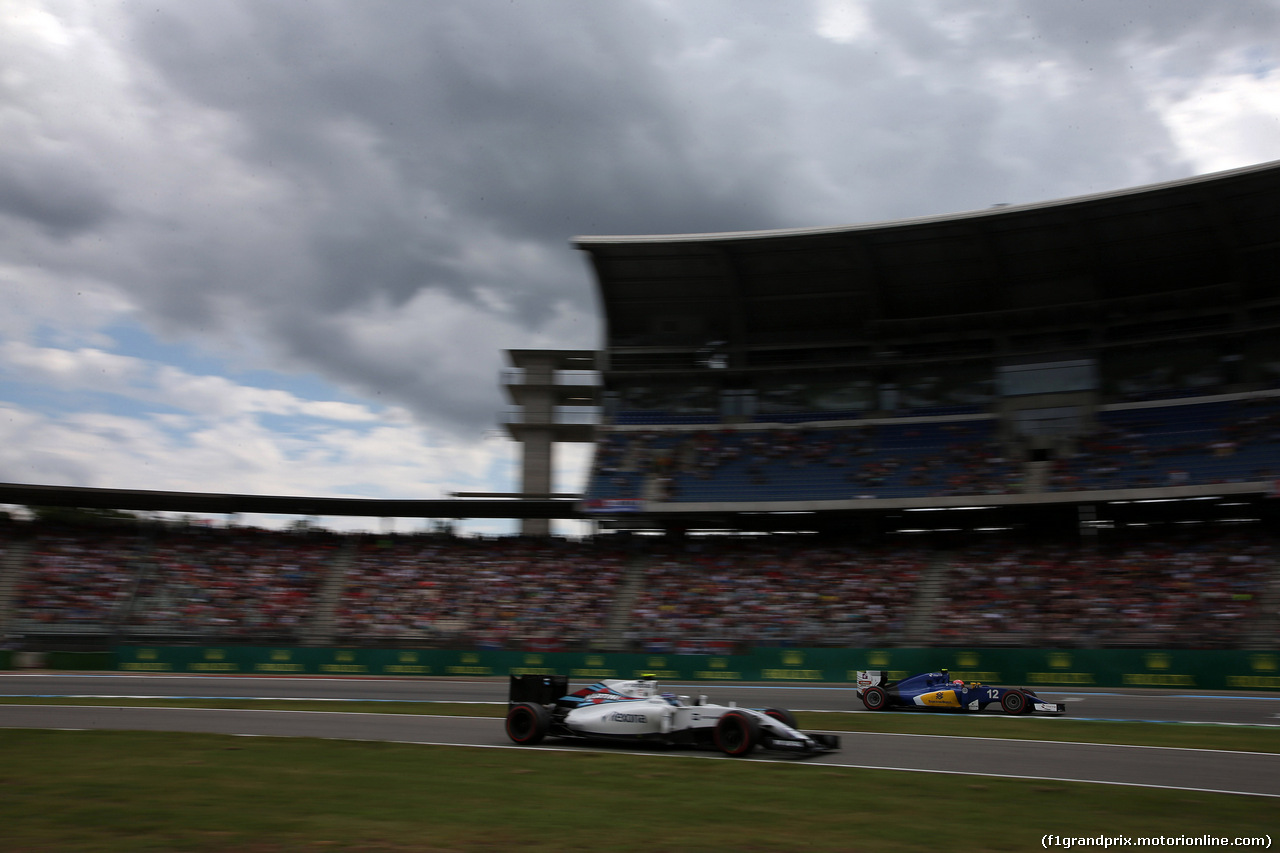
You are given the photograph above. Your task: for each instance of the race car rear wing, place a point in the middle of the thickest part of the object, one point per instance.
(538, 689)
(872, 678)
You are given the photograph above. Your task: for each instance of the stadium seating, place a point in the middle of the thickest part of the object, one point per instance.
(228, 584)
(1200, 443)
(1195, 590)
(537, 595)
(74, 580)
(236, 584)
(1197, 587)
(722, 596)
(242, 585)
(897, 459)
(1172, 443)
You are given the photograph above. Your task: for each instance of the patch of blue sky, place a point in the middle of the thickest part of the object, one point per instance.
(136, 341)
(56, 402)
(309, 425)
(305, 386)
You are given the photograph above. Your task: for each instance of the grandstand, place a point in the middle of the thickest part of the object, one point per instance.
(1050, 359)
(1059, 421)
(92, 587)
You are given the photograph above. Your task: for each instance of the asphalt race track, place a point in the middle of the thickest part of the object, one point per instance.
(1232, 707)
(1203, 770)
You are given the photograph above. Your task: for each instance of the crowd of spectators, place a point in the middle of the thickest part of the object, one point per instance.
(687, 596)
(76, 580)
(542, 595)
(1187, 443)
(936, 459)
(1189, 590)
(231, 583)
(719, 596)
(1195, 444)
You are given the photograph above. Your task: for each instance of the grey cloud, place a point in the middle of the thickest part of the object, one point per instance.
(516, 114)
(24, 465)
(410, 139)
(456, 147)
(1162, 22)
(957, 107)
(448, 382)
(58, 194)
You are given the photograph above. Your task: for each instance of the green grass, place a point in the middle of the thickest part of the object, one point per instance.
(128, 791)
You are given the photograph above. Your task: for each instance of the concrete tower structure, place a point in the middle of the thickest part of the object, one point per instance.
(555, 393)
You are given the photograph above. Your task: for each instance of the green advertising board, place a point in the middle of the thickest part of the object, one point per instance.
(244, 660)
(1059, 668)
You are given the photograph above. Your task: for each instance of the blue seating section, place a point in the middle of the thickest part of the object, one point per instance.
(656, 417)
(641, 417)
(1198, 443)
(1191, 444)
(894, 460)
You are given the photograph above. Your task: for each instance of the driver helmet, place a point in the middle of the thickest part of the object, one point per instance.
(959, 682)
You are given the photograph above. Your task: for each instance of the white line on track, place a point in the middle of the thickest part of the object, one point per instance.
(1069, 742)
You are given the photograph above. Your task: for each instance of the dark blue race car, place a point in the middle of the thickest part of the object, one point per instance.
(938, 691)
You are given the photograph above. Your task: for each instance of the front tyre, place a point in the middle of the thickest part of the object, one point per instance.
(1014, 702)
(527, 723)
(783, 716)
(875, 699)
(736, 733)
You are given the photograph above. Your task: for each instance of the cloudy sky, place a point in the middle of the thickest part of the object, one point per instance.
(279, 246)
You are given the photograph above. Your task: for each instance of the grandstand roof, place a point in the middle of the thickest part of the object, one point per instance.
(859, 282)
(193, 502)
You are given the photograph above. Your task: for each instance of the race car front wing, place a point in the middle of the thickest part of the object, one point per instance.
(817, 742)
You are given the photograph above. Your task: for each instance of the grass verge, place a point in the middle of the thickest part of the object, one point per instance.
(129, 791)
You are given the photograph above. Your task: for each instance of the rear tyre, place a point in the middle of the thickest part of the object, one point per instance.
(527, 723)
(875, 699)
(736, 733)
(783, 716)
(1014, 702)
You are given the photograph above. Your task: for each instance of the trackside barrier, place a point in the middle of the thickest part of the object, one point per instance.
(1163, 668)
(79, 661)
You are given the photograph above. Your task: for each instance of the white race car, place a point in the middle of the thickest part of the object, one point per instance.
(618, 710)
